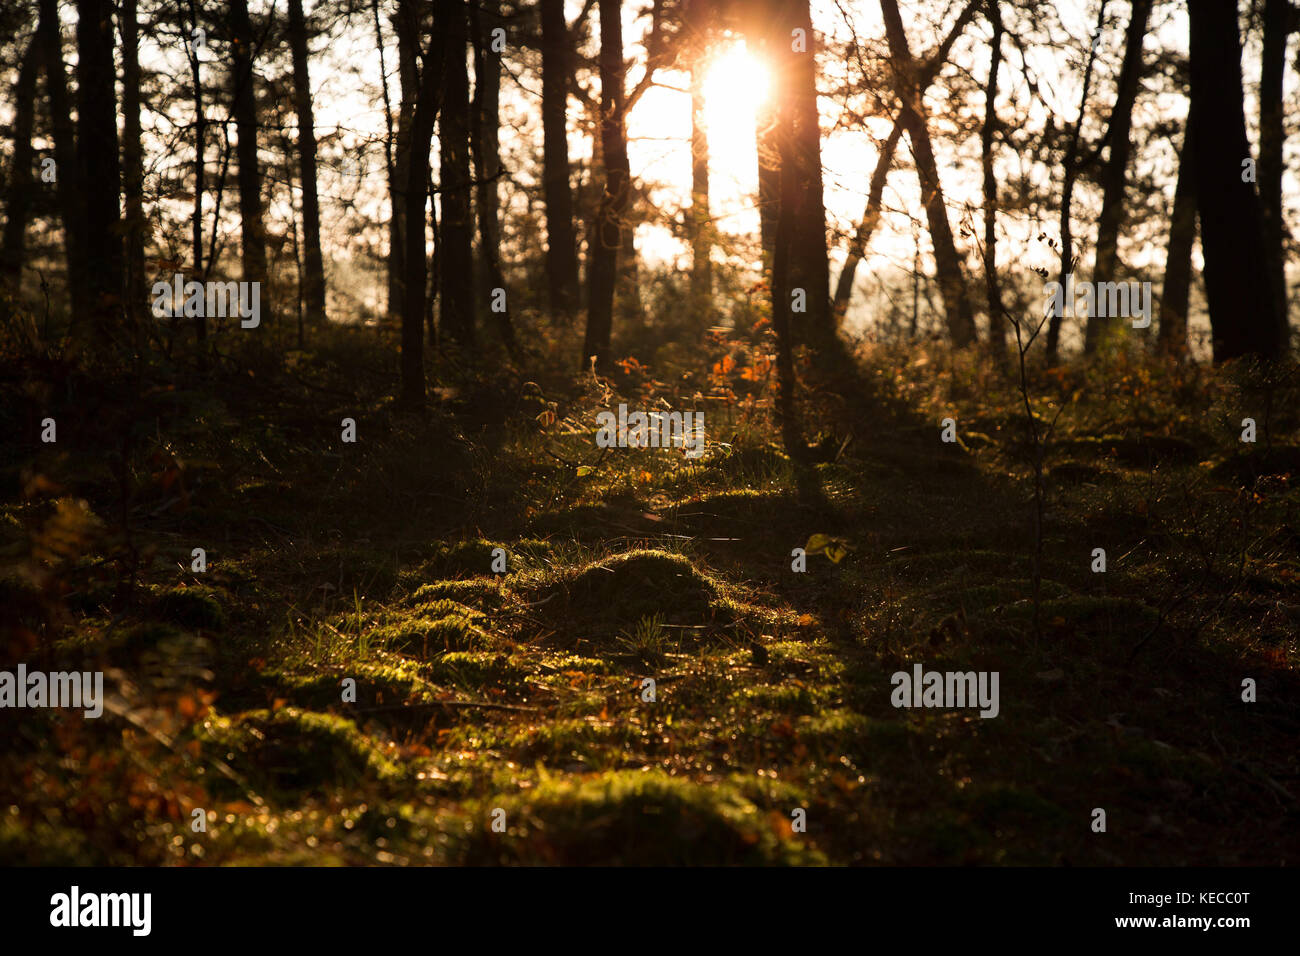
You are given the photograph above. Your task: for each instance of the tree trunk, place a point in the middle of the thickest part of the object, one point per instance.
(871, 215)
(133, 163)
(809, 259)
(997, 341)
(561, 241)
(393, 270)
(424, 112)
(200, 163)
(1071, 168)
(769, 176)
(947, 261)
(487, 165)
(19, 190)
(628, 286)
(1115, 172)
(785, 234)
(456, 219)
(406, 23)
(701, 225)
(1178, 259)
(603, 255)
(67, 181)
(252, 241)
(870, 218)
(313, 263)
(1278, 23)
(98, 166)
(1243, 318)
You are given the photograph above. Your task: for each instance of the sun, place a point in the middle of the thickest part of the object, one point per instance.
(735, 86)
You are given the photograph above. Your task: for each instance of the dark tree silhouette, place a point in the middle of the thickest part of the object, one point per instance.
(1243, 316)
(602, 258)
(97, 165)
(1280, 21)
(1114, 172)
(561, 240)
(313, 263)
(1073, 163)
(132, 162)
(19, 189)
(456, 219)
(67, 179)
(424, 113)
(487, 164)
(252, 238)
(1176, 291)
(912, 115)
(998, 327)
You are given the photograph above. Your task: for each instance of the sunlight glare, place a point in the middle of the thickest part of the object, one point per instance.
(735, 86)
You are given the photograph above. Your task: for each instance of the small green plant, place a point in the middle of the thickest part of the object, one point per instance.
(647, 641)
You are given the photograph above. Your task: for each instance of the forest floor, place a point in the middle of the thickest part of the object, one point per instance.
(518, 698)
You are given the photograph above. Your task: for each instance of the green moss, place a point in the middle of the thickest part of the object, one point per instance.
(377, 684)
(483, 593)
(430, 632)
(631, 818)
(785, 698)
(294, 750)
(625, 588)
(476, 670)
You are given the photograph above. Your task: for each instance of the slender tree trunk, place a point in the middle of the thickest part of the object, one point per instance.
(98, 165)
(252, 230)
(809, 260)
(424, 112)
(628, 285)
(1178, 259)
(487, 165)
(200, 163)
(456, 219)
(947, 261)
(701, 223)
(700, 219)
(393, 270)
(67, 181)
(997, 340)
(132, 163)
(561, 241)
(1114, 174)
(769, 176)
(313, 263)
(867, 226)
(871, 215)
(783, 279)
(603, 255)
(406, 23)
(20, 189)
(1278, 24)
(1071, 167)
(1243, 317)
